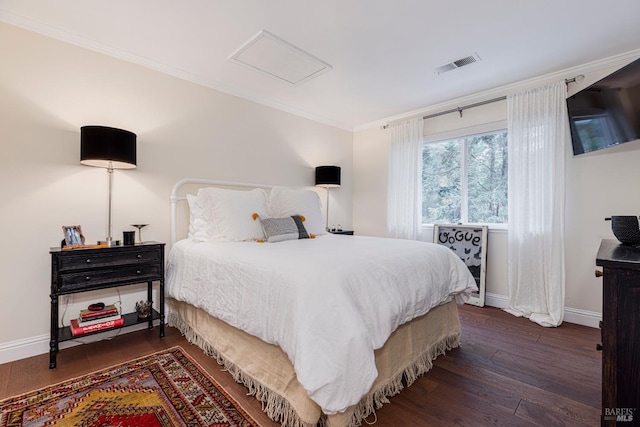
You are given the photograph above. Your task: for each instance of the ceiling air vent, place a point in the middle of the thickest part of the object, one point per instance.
(458, 63)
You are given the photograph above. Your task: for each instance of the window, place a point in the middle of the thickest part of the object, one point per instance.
(465, 179)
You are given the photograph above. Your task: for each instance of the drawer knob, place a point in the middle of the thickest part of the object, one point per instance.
(139, 272)
(87, 278)
(599, 273)
(88, 260)
(139, 256)
(599, 347)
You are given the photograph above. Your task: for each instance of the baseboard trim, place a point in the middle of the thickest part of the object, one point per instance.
(21, 349)
(496, 300)
(571, 315)
(582, 317)
(35, 346)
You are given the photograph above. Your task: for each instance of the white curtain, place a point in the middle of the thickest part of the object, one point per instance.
(538, 138)
(404, 194)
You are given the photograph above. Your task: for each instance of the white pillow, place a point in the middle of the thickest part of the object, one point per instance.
(288, 202)
(228, 214)
(199, 228)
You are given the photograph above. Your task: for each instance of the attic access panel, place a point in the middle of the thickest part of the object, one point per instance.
(268, 54)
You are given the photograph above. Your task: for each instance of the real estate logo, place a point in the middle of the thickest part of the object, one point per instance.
(620, 415)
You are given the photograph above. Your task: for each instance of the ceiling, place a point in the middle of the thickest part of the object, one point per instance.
(382, 54)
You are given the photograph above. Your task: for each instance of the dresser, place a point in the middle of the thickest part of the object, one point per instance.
(90, 269)
(620, 333)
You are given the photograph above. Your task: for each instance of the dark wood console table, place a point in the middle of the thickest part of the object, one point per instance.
(620, 333)
(89, 269)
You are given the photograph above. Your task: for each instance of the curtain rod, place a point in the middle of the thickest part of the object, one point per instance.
(577, 78)
(459, 109)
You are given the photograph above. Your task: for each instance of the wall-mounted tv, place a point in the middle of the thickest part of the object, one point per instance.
(606, 113)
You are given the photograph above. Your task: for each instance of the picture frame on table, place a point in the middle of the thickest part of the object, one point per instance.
(469, 242)
(73, 236)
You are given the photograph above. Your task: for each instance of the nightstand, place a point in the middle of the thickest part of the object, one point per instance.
(345, 232)
(89, 269)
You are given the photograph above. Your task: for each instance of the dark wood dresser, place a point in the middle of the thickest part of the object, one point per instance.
(89, 269)
(620, 333)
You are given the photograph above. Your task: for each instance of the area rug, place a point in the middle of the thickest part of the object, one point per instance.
(164, 389)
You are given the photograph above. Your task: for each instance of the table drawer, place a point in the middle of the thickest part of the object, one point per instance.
(107, 259)
(87, 280)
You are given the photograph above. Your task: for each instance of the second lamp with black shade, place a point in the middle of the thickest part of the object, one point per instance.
(328, 177)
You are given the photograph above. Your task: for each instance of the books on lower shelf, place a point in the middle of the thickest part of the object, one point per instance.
(96, 320)
(107, 311)
(78, 328)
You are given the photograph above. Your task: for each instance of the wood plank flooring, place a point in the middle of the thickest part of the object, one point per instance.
(507, 372)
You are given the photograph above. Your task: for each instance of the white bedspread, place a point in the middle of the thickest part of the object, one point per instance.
(327, 302)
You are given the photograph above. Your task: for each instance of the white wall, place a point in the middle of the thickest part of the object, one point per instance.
(599, 185)
(49, 89)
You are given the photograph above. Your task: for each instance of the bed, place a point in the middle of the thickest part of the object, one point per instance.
(321, 328)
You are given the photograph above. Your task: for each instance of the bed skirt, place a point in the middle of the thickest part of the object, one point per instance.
(268, 374)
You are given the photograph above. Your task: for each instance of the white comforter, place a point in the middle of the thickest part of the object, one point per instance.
(327, 302)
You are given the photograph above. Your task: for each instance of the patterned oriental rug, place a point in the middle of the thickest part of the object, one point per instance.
(164, 389)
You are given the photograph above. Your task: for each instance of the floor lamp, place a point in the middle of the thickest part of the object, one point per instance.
(328, 177)
(109, 148)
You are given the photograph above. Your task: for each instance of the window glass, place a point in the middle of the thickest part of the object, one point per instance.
(465, 180)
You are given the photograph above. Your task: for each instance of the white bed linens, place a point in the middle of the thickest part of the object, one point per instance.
(327, 302)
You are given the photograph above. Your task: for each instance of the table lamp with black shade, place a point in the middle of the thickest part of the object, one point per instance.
(109, 148)
(328, 177)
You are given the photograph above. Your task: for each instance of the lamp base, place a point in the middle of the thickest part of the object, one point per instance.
(109, 242)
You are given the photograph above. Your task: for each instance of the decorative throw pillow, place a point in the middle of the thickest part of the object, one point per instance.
(280, 229)
(288, 202)
(302, 231)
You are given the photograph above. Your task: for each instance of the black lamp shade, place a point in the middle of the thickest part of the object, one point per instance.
(328, 176)
(101, 145)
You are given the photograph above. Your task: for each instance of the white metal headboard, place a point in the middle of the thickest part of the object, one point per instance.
(176, 197)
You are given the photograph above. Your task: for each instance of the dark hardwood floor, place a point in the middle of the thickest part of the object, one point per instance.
(507, 372)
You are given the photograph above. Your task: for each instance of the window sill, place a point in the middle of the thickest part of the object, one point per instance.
(498, 228)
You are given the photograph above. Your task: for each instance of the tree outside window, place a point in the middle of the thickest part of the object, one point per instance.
(465, 180)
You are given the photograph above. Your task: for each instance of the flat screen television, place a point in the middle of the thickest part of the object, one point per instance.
(606, 113)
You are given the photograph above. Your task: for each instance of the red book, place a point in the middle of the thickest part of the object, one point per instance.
(83, 322)
(89, 314)
(96, 319)
(76, 329)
